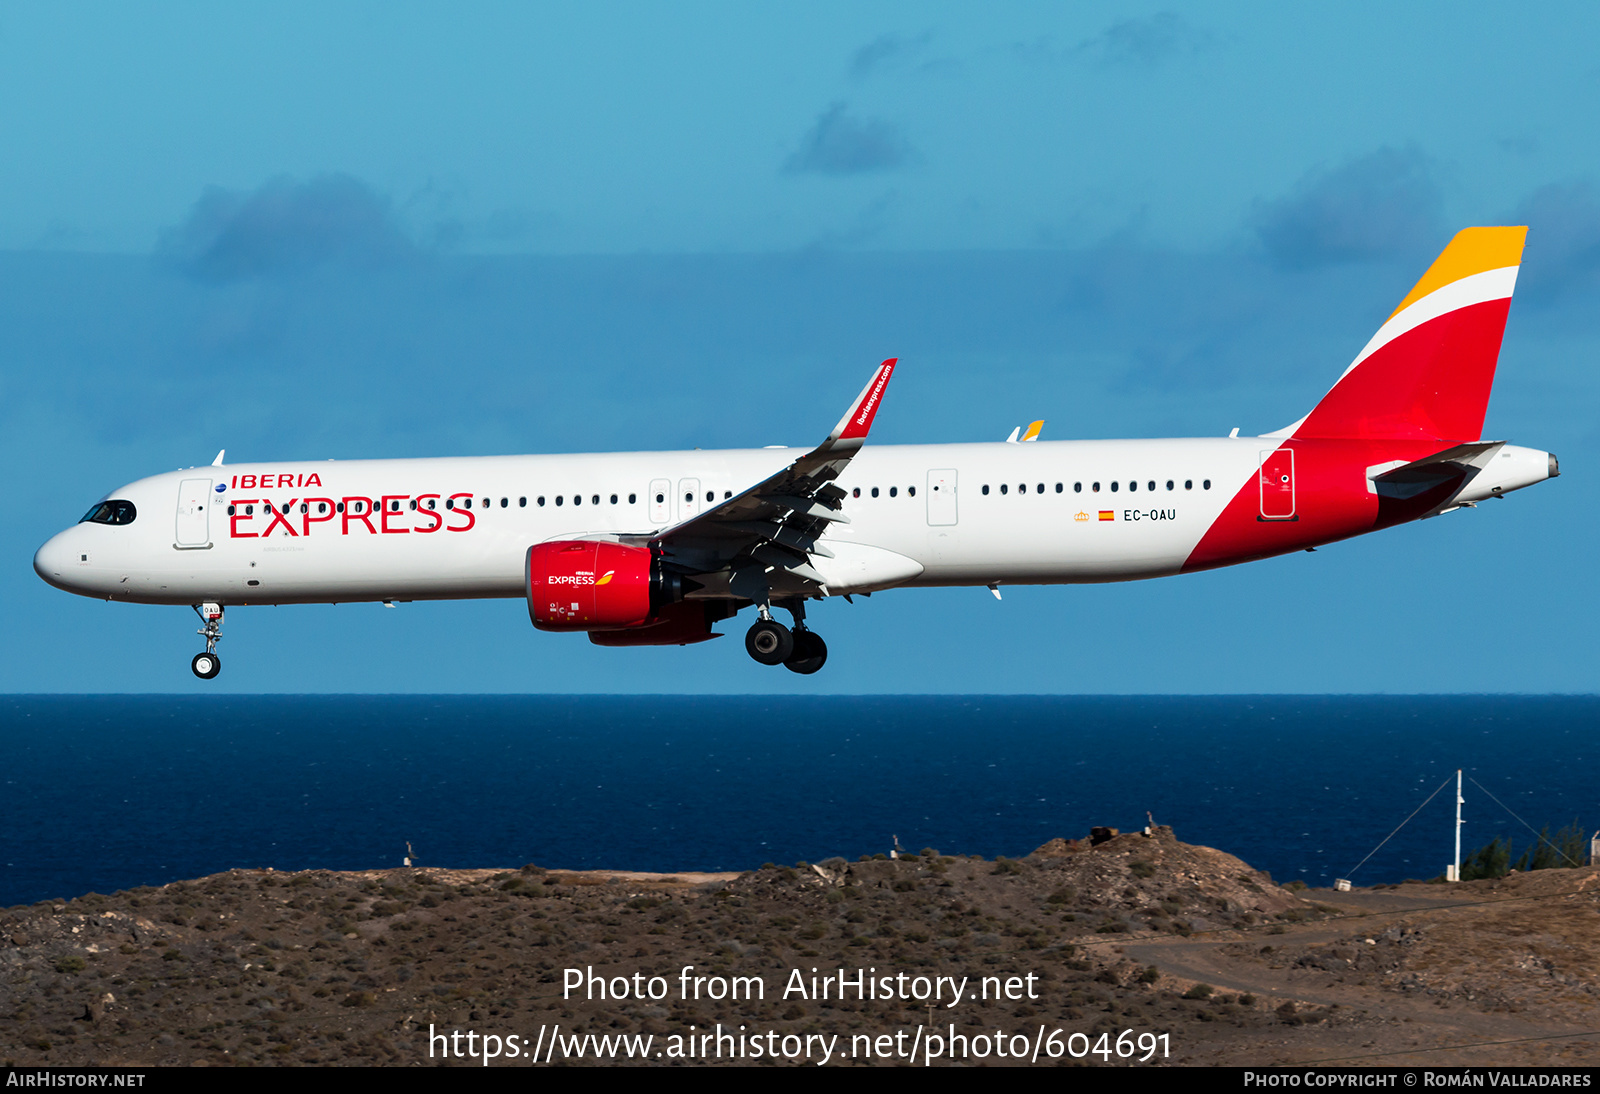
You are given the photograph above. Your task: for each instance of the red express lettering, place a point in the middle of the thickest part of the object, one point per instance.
(312, 516)
(358, 510)
(279, 516)
(364, 517)
(239, 514)
(464, 510)
(395, 512)
(431, 514)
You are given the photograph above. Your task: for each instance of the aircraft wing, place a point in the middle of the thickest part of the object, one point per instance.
(774, 525)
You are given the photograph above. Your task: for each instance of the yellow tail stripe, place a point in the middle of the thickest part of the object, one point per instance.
(1472, 251)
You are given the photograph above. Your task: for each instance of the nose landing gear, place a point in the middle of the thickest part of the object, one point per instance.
(771, 643)
(207, 665)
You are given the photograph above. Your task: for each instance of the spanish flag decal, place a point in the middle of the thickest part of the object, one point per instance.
(1108, 514)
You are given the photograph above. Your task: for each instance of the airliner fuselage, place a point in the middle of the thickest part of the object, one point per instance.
(655, 548)
(1050, 512)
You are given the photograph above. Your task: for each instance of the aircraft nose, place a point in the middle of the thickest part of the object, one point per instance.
(53, 561)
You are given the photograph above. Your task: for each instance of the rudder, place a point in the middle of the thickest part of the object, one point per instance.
(1427, 373)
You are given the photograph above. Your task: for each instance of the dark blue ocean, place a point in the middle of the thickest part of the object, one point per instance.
(109, 792)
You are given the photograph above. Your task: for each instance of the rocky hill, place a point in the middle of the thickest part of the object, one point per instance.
(1110, 933)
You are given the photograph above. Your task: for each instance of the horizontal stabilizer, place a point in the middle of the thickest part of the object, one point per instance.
(1460, 464)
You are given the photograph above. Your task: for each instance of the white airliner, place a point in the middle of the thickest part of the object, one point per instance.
(655, 548)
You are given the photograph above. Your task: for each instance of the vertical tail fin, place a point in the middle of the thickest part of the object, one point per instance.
(1426, 374)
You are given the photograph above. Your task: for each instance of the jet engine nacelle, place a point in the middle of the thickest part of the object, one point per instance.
(585, 584)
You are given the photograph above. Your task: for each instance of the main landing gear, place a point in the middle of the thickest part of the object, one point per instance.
(207, 665)
(771, 643)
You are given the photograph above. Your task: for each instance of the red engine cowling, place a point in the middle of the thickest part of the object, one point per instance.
(584, 585)
(680, 624)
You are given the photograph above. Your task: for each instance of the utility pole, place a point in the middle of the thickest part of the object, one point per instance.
(1455, 870)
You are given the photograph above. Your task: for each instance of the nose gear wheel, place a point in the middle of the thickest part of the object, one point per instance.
(207, 665)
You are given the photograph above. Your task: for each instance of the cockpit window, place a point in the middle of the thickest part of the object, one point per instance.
(111, 512)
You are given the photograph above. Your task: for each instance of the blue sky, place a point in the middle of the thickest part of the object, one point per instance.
(303, 232)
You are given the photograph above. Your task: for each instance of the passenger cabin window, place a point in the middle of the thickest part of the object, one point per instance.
(874, 491)
(522, 503)
(1005, 488)
(632, 498)
(1206, 485)
(613, 499)
(539, 501)
(893, 491)
(1114, 486)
